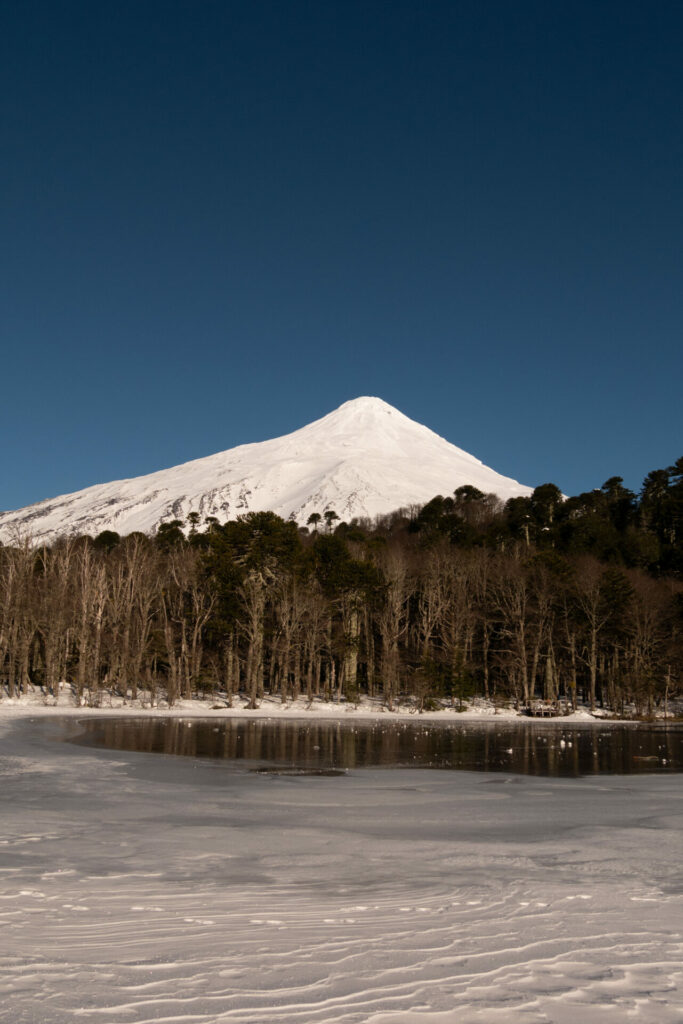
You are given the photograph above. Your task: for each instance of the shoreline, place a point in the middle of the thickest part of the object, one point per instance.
(302, 710)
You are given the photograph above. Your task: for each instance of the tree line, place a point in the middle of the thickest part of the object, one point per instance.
(577, 599)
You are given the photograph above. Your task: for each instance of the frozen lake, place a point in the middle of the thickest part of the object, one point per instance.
(140, 887)
(526, 747)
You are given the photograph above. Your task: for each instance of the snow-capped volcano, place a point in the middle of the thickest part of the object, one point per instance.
(364, 459)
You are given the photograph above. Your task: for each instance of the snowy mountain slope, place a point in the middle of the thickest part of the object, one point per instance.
(363, 459)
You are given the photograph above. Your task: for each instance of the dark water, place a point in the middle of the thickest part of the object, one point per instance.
(309, 748)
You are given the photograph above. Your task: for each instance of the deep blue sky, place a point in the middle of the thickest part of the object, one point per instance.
(220, 220)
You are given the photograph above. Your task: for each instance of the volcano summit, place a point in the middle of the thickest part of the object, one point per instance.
(364, 459)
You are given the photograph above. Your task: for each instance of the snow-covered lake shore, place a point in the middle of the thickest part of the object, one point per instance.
(270, 707)
(139, 888)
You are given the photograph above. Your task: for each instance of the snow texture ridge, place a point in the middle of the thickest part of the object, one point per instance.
(363, 459)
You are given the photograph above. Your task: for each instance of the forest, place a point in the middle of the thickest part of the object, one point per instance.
(565, 600)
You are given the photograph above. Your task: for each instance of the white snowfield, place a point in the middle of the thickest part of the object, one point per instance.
(146, 888)
(364, 459)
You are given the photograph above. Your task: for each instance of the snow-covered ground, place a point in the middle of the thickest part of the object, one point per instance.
(216, 705)
(140, 888)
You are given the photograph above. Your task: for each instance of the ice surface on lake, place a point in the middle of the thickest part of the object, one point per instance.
(138, 888)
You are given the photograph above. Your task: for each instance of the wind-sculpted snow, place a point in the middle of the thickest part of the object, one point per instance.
(364, 459)
(144, 888)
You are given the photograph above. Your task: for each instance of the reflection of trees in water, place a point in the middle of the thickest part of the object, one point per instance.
(515, 747)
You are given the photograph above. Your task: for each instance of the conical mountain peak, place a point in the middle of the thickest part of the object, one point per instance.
(366, 405)
(363, 459)
(371, 422)
(359, 412)
(366, 402)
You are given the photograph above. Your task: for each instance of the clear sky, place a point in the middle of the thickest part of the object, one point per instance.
(221, 219)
